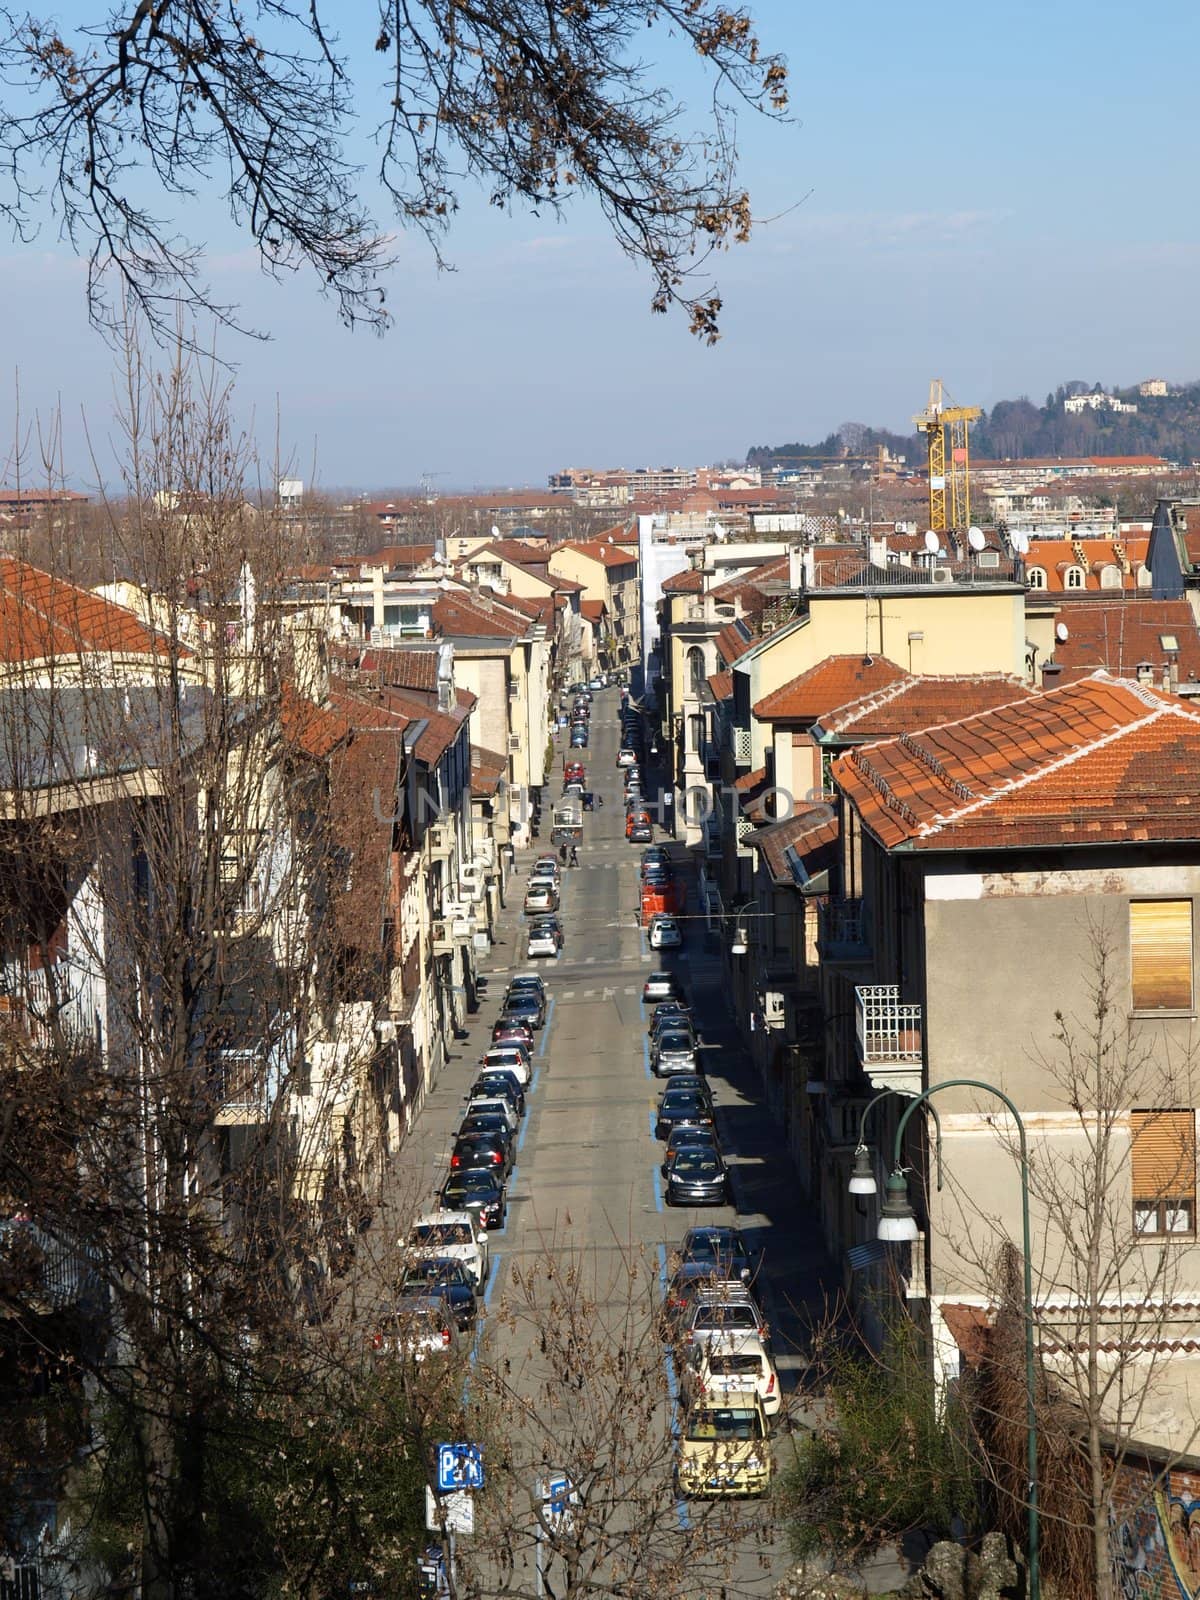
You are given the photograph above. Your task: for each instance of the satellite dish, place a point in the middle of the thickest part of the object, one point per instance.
(495, 531)
(975, 539)
(932, 542)
(1020, 543)
(1061, 632)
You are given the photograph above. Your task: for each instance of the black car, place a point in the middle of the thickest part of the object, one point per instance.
(723, 1249)
(670, 1014)
(640, 833)
(697, 1177)
(449, 1281)
(524, 1006)
(526, 983)
(488, 1150)
(681, 1105)
(688, 1136)
(507, 1084)
(672, 1050)
(693, 1081)
(579, 738)
(486, 1122)
(479, 1191)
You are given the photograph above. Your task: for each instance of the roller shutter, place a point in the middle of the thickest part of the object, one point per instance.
(1160, 954)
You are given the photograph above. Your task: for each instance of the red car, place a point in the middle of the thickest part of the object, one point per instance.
(512, 1033)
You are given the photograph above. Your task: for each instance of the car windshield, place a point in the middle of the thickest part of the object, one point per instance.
(679, 1043)
(442, 1233)
(696, 1164)
(689, 1100)
(434, 1271)
(666, 925)
(726, 1317)
(724, 1423)
(522, 1005)
(735, 1366)
(714, 1246)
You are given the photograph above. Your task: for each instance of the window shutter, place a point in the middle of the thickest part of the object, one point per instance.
(1160, 954)
(1163, 1154)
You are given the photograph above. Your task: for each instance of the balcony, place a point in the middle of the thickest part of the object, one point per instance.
(742, 746)
(890, 1038)
(842, 932)
(47, 1005)
(242, 1088)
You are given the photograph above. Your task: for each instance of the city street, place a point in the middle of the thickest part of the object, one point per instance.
(586, 1178)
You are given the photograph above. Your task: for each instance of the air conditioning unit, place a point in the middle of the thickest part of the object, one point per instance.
(988, 558)
(514, 743)
(941, 575)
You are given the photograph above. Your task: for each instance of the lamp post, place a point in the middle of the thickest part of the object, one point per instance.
(740, 944)
(898, 1224)
(862, 1178)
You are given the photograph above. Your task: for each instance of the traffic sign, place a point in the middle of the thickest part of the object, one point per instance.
(558, 1494)
(449, 1513)
(459, 1466)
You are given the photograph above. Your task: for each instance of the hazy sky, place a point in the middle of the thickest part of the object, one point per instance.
(1002, 197)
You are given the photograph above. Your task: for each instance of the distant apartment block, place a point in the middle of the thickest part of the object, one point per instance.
(1098, 400)
(1152, 387)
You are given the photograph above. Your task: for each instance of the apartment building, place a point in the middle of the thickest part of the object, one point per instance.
(608, 571)
(1009, 886)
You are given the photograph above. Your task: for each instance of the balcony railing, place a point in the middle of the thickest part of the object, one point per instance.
(889, 1034)
(36, 999)
(841, 931)
(742, 745)
(242, 1087)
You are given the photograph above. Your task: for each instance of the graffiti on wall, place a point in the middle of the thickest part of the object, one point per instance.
(1154, 1534)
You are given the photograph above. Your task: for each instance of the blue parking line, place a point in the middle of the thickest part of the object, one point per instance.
(658, 1194)
(642, 939)
(650, 1117)
(493, 1274)
(533, 1081)
(646, 1055)
(521, 1135)
(546, 1029)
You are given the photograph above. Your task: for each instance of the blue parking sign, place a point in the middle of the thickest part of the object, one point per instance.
(460, 1466)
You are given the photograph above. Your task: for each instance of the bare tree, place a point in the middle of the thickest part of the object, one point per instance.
(534, 101)
(1106, 1275)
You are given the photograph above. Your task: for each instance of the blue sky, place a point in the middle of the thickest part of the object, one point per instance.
(1002, 197)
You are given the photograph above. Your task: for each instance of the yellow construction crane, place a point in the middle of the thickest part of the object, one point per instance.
(935, 422)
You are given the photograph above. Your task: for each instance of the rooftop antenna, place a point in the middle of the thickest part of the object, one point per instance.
(932, 543)
(976, 540)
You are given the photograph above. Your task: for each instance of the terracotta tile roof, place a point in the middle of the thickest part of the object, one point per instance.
(515, 550)
(316, 730)
(442, 727)
(747, 585)
(750, 781)
(42, 617)
(970, 1329)
(721, 684)
(734, 639)
(402, 669)
(468, 617)
(919, 701)
(689, 581)
(488, 768)
(391, 556)
(365, 711)
(798, 847)
(1055, 557)
(1119, 634)
(827, 685)
(609, 555)
(593, 610)
(537, 610)
(1099, 761)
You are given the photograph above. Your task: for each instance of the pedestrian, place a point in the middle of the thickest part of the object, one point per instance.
(574, 856)
(562, 854)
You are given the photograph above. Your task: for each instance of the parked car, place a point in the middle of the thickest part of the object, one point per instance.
(511, 1057)
(489, 1122)
(573, 769)
(598, 682)
(697, 1177)
(481, 1150)
(661, 986)
(525, 1005)
(673, 1051)
(670, 1013)
(722, 1366)
(450, 1233)
(665, 934)
(579, 738)
(681, 1105)
(692, 1081)
(724, 1249)
(689, 1280)
(497, 1081)
(626, 756)
(655, 856)
(449, 1281)
(506, 1031)
(478, 1191)
(723, 1448)
(688, 1136)
(546, 863)
(492, 1105)
(545, 939)
(727, 1311)
(420, 1327)
(531, 981)
(541, 897)
(640, 829)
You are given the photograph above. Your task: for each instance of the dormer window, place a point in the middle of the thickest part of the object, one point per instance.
(1073, 578)
(1035, 577)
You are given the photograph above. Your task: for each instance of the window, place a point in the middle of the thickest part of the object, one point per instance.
(1110, 576)
(1163, 1162)
(695, 658)
(1073, 578)
(1160, 955)
(1035, 577)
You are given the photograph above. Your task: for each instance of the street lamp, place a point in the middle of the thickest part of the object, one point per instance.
(898, 1223)
(740, 943)
(862, 1179)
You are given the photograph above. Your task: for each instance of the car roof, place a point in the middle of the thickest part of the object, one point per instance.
(734, 1344)
(431, 1219)
(717, 1231)
(728, 1400)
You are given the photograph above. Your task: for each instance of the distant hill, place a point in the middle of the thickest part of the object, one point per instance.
(1164, 425)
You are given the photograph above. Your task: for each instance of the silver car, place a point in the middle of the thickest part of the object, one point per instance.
(674, 1050)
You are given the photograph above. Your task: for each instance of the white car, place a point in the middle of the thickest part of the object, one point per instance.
(626, 757)
(542, 942)
(453, 1234)
(503, 1058)
(728, 1312)
(598, 682)
(729, 1364)
(665, 934)
(541, 897)
(499, 1105)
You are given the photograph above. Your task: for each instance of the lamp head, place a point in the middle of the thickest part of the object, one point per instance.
(739, 945)
(897, 1223)
(862, 1179)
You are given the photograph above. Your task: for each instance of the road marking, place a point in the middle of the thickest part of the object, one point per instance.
(658, 1195)
(646, 1057)
(494, 1271)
